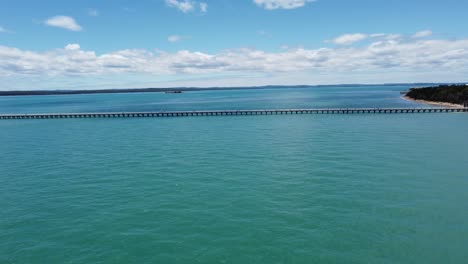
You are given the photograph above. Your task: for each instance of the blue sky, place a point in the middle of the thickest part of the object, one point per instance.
(163, 43)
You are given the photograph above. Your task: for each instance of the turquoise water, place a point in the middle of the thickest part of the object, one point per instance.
(243, 189)
(315, 97)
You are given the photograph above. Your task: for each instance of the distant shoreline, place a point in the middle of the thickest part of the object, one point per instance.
(182, 89)
(445, 104)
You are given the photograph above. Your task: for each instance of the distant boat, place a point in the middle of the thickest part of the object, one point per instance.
(173, 92)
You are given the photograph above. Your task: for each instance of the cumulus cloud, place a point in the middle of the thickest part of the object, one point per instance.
(64, 22)
(73, 46)
(380, 56)
(349, 39)
(377, 35)
(184, 6)
(187, 6)
(281, 4)
(393, 36)
(423, 34)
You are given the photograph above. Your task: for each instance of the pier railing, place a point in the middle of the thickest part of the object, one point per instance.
(323, 111)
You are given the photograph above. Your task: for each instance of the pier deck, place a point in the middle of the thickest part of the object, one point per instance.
(235, 113)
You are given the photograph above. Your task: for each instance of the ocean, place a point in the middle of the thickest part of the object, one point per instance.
(240, 189)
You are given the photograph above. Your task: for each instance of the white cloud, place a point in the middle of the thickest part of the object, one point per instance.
(64, 22)
(203, 7)
(93, 12)
(282, 4)
(386, 36)
(393, 36)
(378, 35)
(72, 47)
(174, 38)
(423, 34)
(349, 39)
(381, 57)
(187, 6)
(184, 6)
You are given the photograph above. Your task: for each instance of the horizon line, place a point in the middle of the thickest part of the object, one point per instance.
(231, 87)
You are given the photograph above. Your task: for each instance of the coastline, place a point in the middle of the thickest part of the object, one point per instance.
(444, 104)
(182, 89)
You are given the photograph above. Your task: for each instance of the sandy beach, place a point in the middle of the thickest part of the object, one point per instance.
(441, 104)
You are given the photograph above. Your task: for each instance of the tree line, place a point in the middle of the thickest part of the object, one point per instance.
(455, 94)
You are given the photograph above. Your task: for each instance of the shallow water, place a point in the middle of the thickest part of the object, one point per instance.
(242, 189)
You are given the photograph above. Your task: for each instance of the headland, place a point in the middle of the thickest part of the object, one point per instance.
(443, 95)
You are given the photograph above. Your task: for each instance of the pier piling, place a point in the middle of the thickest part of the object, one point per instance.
(341, 111)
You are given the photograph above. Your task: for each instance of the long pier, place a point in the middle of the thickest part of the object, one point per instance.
(324, 111)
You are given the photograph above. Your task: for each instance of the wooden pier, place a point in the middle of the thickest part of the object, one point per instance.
(323, 111)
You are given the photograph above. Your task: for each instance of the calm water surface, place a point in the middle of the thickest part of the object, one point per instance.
(315, 97)
(245, 189)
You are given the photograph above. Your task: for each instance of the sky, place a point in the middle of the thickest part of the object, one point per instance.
(102, 44)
